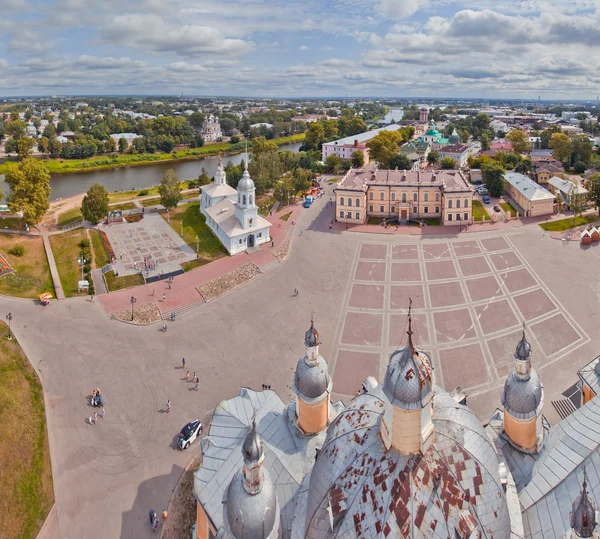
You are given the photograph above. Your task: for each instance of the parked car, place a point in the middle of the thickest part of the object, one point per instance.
(189, 433)
(486, 199)
(483, 191)
(496, 208)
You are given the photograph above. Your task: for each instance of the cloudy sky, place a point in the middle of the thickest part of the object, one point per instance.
(295, 48)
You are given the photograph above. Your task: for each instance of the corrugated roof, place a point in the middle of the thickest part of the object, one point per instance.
(527, 187)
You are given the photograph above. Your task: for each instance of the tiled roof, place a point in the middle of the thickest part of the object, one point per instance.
(527, 187)
(449, 180)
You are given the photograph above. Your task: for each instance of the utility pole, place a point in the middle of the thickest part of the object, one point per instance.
(9, 318)
(132, 301)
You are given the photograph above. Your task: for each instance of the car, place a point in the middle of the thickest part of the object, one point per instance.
(189, 433)
(497, 208)
(486, 199)
(483, 191)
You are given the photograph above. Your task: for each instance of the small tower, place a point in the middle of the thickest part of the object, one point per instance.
(246, 209)
(584, 516)
(523, 401)
(252, 508)
(407, 425)
(312, 385)
(424, 115)
(220, 176)
(454, 138)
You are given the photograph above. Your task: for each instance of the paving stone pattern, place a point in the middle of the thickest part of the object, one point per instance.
(470, 299)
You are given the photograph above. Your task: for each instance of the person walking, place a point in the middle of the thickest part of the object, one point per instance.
(183, 363)
(197, 386)
(168, 406)
(187, 376)
(164, 298)
(194, 378)
(165, 327)
(102, 413)
(169, 285)
(153, 292)
(95, 417)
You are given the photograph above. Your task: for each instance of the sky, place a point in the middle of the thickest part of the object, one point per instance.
(297, 48)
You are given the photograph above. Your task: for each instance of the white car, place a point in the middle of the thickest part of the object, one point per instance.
(189, 433)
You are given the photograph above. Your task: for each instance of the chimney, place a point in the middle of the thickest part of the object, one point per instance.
(356, 143)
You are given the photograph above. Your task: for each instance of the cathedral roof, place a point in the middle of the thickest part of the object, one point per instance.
(312, 379)
(583, 517)
(522, 396)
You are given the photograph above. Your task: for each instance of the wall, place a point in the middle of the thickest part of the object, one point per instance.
(522, 432)
(406, 430)
(588, 394)
(313, 417)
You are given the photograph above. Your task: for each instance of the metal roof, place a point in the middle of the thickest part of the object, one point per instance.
(527, 187)
(362, 137)
(590, 374)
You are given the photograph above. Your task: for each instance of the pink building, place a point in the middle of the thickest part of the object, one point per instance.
(345, 151)
(424, 115)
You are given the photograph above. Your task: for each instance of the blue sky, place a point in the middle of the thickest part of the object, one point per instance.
(438, 48)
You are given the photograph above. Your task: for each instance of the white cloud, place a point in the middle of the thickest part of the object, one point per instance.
(304, 48)
(399, 9)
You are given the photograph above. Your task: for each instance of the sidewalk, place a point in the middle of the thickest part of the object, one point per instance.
(58, 289)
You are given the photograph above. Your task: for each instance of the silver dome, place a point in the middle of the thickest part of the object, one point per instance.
(312, 380)
(521, 397)
(583, 517)
(251, 516)
(523, 350)
(252, 450)
(408, 378)
(246, 183)
(311, 337)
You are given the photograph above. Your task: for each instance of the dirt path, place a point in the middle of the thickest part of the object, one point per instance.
(60, 206)
(92, 253)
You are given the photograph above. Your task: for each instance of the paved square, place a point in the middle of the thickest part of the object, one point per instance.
(469, 299)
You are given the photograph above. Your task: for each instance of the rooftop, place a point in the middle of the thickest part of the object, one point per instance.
(454, 148)
(362, 137)
(566, 186)
(450, 180)
(531, 190)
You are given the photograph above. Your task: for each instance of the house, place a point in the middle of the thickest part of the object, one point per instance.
(501, 145)
(544, 170)
(414, 148)
(565, 192)
(458, 152)
(345, 147)
(69, 135)
(404, 194)
(537, 155)
(498, 126)
(533, 199)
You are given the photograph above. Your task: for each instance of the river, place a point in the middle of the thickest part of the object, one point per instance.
(140, 177)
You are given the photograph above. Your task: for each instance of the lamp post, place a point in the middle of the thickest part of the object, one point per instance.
(197, 244)
(181, 228)
(132, 301)
(9, 318)
(82, 261)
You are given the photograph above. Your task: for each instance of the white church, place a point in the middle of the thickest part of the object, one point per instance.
(232, 214)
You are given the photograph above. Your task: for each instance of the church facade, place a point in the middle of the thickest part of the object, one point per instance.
(232, 214)
(211, 129)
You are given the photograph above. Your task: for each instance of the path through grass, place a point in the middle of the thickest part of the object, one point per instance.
(66, 251)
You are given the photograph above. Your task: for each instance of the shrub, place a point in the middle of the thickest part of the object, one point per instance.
(17, 250)
(143, 193)
(86, 268)
(234, 139)
(579, 167)
(84, 244)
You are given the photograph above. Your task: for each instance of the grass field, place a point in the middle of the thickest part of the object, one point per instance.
(194, 224)
(123, 206)
(118, 283)
(130, 195)
(479, 212)
(265, 203)
(565, 224)
(70, 216)
(150, 202)
(432, 221)
(12, 223)
(286, 216)
(27, 493)
(32, 273)
(507, 206)
(66, 251)
(103, 162)
(100, 254)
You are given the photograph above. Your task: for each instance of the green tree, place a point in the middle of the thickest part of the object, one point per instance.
(54, 147)
(29, 183)
(593, 190)
(169, 191)
(260, 145)
(400, 162)
(493, 177)
(301, 180)
(333, 164)
(448, 163)
(315, 135)
(15, 129)
(358, 159)
(94, 205)
(433, 158)
(384, 146)
(283, 190)
(204, 178)
(11, 146)
(546, 136)
(576, 201)
(561, 146)
(43, 145)
(524, 166)
(25, 146)
(519, 140)
(485, 141)
(122, 144)
(582, 148)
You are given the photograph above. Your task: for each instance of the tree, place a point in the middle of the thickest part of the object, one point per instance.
(493, 177)
(333, 164)
(525, 166)
(448, 163)
(283, 190)
(315, 136)
(260, 145)
(546, 135)
(433, 158)
(123, 144)
(384, 146)
(593, 190)
(204, 178)
(29, 183)
(358, 159)
(54, 147)
(485, 142)
(576, 201)
(25, 147)
(561, 146)
(16, 129)
(94, 205)
(582, 149)
(301, 180)
(43, 145)
(11, 146)
(169, 191)
(400, 162)
(519, 140)
(579, 167)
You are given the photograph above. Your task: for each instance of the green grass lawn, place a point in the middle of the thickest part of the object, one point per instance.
(130, 195)
(565, 224)
(32, 273)
(194, 224)
(123, 206)
(12, 223)
(189, 196)
(150, 202)
(118, 283)
(66, 251)
(265, 203)
(432, 221)
(193, 264)
(27, 493)
(70, 216)
(479, 212)
(372, 220)
(286, 216)
(508, 207)
(100, 254)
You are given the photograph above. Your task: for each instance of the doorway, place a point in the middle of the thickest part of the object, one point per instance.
(251, 240)
(403, 214)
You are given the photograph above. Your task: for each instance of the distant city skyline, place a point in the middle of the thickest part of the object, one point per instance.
(517, 49)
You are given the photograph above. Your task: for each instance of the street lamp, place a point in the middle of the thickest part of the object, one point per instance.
(82, 261)
(181, 225)
(132, 301)
(9, 318)
(197, 244)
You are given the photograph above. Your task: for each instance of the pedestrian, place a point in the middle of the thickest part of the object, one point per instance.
(183, 363)
(187, 376)
(197, 386)
(164, 298)
(102, 413)
(194, 378)
(168, 406)
(90, 420)
(169, 285)
(92, 297)
(272, 243)
(95, 417)
(164, 326)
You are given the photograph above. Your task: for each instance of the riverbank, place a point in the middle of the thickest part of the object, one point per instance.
(106, 162)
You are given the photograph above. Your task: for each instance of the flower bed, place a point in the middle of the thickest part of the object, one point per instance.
(133, 218)
(4, 266)
(109, 249)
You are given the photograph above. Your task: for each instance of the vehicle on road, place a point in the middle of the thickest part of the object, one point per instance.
(308, 202)
(189, 433)
(497, 208)
(486, 199)
(482, 190)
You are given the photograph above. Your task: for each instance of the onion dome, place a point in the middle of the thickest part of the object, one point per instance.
(311, 337)
(523, 350)
(583, 516)
(252, 450)
(312, 378)
(521, 397)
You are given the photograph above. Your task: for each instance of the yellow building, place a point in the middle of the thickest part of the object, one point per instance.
(403, 195)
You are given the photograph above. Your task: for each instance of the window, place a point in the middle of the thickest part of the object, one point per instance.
(357, 215)
(250, 200)
(437, 197)
(239, 198)
(381, 196)
(449, 217)
(341, 201)
(466, 205)
(450, 203)
(426, 197)
(240, 242)
(342, 214)
(349, 201)
(371, 195)
(393, 210)
(260, 234)
(403, 197)
(458, 216)
(426, 209)
(244, 199)
(357, 202)
(371, 208)
(414, 209)
(349, 215)
(415, 197)
(466, 216)
(393, 196)
(381, 209)
(437, 209)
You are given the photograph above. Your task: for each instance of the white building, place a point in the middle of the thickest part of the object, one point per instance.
(232, 214)
(345, 147)
(211, 129)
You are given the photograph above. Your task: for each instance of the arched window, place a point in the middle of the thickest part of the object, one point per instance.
(371, 195)
(458, 202)
(244, 199)
(393, 197)
(381, 196)
(349, 201)
(426, 199)
(357, 202)
(466, 203)
(437, 197)
(250, 200)
(341, 201)
(403, 197)
(450, 203)
(239, 198)
(415, 197)
(342, 214)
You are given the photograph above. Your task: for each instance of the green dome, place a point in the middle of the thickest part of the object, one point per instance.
(432, 133)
